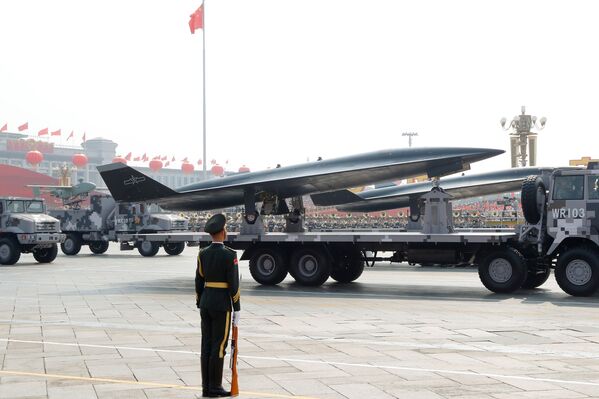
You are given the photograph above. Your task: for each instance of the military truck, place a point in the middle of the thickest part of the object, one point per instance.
(26, 228)
(107, 221)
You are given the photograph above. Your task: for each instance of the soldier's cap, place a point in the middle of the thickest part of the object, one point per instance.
(215, 224)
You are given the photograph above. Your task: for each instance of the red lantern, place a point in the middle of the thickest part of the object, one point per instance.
(79, 160)
(218, 170)
(120, 159)
(34, 157)
(244, 169)
(155, 165)
(187, 167)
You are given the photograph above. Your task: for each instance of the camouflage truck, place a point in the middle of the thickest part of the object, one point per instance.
(106, 220)
(561, 233)
(26, 228)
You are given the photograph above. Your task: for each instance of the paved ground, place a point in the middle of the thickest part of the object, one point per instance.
(123, 326)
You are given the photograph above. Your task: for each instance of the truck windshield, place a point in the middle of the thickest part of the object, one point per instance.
(34, 206)
(593, 187)
(155, 209)
(15, 206)
(568, 188)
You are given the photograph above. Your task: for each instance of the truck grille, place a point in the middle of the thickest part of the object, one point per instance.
(46, 226)
(179, 225)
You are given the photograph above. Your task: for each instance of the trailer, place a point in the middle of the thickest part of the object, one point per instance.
(561, 233)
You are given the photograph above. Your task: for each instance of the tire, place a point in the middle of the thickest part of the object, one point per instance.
(311, 266)
(536, 277)
(10, 251)
(533, 198)
(98, 247)
(174, 248)
(46, 255)
(148, 248)
(503, 270)
(71, 245)
(577, 271)
(268, 266)
(348, 268)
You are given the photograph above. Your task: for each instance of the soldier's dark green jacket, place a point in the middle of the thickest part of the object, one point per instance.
(217, 279)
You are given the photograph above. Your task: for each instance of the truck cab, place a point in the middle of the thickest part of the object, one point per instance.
(26, 228)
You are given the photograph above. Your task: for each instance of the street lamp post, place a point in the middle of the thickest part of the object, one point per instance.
(523, 142)
(409, 135)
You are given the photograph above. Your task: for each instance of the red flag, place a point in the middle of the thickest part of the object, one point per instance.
(185, 160)
(128, 157)
(213, 162)
(84, 137)
(71, 135)
(24, 126)
(196, 20)
(199, 161)
(55, 133)
(227, 162)
(4, 128)
(137, 159)
(43, 132)
(144, 158)
(163, 158)
(167, 163)
(173, 160)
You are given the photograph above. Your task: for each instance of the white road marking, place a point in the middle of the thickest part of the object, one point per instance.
(331, 363)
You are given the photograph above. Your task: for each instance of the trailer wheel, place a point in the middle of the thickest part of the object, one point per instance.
(148, 248)
(10, 253)
(536, 277)
(577, 271)
(71, 245)
(503, 270)
(46, 255)
(98, 247)
(533, 198)
(174, 248)
(348, 268)
(267, 266)
(310, 266)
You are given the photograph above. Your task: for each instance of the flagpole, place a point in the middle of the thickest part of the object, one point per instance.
(204, 85)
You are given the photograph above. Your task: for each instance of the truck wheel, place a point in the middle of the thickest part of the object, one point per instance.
(348, 268)
(71, 245)
(268, 267)
(174, 248)
(503, 270)
(9, 251)
(533, 198)
(148, 248)
(310, 266)
(536, 277)
(577, 271)
(46, 255)
(98, 247)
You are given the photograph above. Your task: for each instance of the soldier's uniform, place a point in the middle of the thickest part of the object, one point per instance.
(217, 294)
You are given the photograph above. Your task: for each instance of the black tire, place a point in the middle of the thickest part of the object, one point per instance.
(348, 267)
(310, 266)
(46, 255)
(268, 266)
(10, 251)
(71, 245)
(577, 271)
(174, 248)
(148, 248)
(533, 198)
(536, 277)
(98, 247)
(503, 270)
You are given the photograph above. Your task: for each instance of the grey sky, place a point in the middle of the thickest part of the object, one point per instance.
(289, 80)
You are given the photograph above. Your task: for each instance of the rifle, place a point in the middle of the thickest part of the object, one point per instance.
(233, 363)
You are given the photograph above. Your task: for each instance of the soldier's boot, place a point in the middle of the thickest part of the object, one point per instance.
(216, 389)
(205, 376)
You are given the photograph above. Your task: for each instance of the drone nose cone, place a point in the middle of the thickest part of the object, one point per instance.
(478, 154)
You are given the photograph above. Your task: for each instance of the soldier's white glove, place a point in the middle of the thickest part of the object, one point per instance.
(236, 317)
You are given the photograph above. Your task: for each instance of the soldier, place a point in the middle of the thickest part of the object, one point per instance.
(217, 293)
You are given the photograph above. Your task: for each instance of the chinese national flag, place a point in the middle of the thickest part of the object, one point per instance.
(71, 135)
(173, 160)
(55, 133)
(185, 160)
(163, 158)
(167, 163)
(145, 157)
(196, 20)
(43, 132)
(4, 128)
(137, 159)
(128, 157)
(24, 126)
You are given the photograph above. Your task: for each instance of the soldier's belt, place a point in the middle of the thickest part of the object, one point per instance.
(216, 285)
